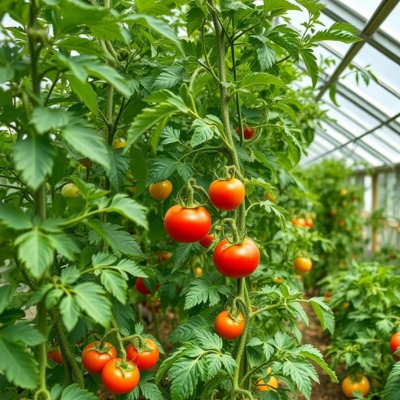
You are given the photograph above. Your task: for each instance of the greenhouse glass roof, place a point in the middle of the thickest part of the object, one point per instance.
(365, 125)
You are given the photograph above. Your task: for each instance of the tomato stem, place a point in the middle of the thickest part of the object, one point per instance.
(119, 338)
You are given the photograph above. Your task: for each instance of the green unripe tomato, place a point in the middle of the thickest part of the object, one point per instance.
(70, 190)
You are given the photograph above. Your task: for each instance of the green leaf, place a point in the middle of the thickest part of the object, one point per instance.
(311, 64)
(119, 165)
(119, 240)
(17, 364)
(70, 312)
(81, 45)
(139, 169)
(90, 298)
(6, 295)
(74, 392)
(69, 275)
(283, 5)
(259, 81)
(278, 211)
(14, 217)
(286, 38)
(150, 390)
(161, 169)
(24, 333)
(33, 156)
(204, 290)
(181, 254)
(332, 94)
(314, 355)
(392, 388)
(170, 135)
(64, 244)
(194, 19)
(88, 143)
(149, 118)
(6, 73)
(130, 209)
(169, 78)
(47, 119)
(35, 251)
(265, 55)
(85, 92)
(131, 268)
(186, 331)
(339, 31)
(324, 313)
(115, 284)
(294, 148)
(300, 372)
(184, 374)
(157, 25)
(203, 132)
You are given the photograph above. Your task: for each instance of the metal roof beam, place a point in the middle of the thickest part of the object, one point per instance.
(381, 13)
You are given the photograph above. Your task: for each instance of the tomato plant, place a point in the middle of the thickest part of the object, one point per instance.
(96, 355)
(144, 358)
(119, 376)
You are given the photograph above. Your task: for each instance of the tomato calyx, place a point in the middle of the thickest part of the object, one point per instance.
(124, 365)
(101, 347)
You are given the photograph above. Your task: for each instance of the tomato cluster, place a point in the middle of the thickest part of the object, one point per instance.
(118, 375)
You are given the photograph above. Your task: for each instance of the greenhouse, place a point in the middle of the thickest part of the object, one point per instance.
(199, 199)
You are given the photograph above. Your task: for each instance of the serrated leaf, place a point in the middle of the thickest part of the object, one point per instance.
(81, 45)
(339, 31)
(201, 291)
(186, 331)
(324, 313)
(47, 119)
(208, 340)
(310, 62)
(103, 260)
(170, 135)
(157, 25)
(202, 132)
(259, 81)
(181, 255)
(150, 391)
(84, 91)
(194, 19)
(70, 312)
(74, 392)
(131, 268)
(161, 169)
(90, 298)
(168, 78)
(278, 211)
(24, 333)
(119, 240)
(119, 165)
(265, 55)
(14, 217)
(184, 374)
(294, 148)
(6, 295)
(69, 275)
(17, 364)
(115, 284)
(33, 156)
(64, 244)
(392, 388)
(284, 5)
(149, 118)
(130, 209)
(35, 251)
(88, 143)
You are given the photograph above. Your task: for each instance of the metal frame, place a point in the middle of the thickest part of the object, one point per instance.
(381, 13)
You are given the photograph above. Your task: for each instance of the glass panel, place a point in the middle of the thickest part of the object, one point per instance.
(377, 144)
(391, 25)
(389, 136)
(354, 111)
(365, 155)
(362, 7)
(346, 123)
(367, 193)
(322, 54)
(325, 145)
(383, 67)
(373, 93)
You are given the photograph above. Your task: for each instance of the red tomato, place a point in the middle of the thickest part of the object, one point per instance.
(206, 241)
(309, 222)
(227, 194)
(187, 225)
(56, 356)
(227, 327)
(394, 344)
(146, 359)
(360, 384)
(94, 357)
(248, 132)
(141, 287)
(238, 260)
(119, 377)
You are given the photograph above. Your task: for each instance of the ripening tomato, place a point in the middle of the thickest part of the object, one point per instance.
(70, 190)
(334, 212)
(228, 327)
(395, 344)
(95, 357)
(271, 197)
(236, 260)
(207, 240)
(162, 256)
(271, 385)
(227, 194)
(302, 264)
(56, 356)
(118, 143)
(146, 359)
(351, 384)
(343, 192)
(141, 287)
(309, 222)
(119, 377)
(341, 222)
(248, 132)
(198, 272)
(301, 222)
(187, 225)
(160, 190)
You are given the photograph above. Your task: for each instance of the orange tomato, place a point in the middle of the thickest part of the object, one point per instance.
(118, 143)
(160, 190)
(351, 384)
(302, 264)
(271, 197)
